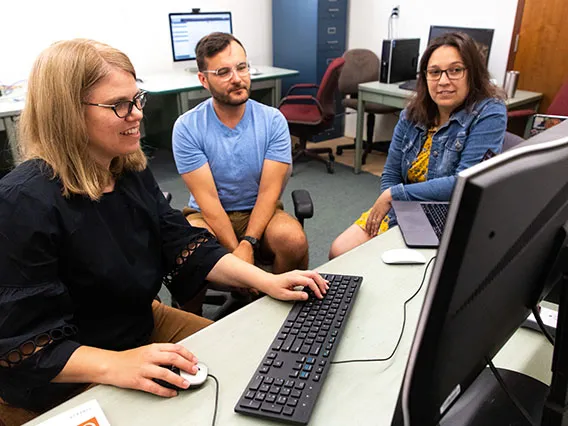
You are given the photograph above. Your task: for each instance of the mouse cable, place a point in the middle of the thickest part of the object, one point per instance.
(512, 397)
(216, 398)
(403, 323)
(536, 313)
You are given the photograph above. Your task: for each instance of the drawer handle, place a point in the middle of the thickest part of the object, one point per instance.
(332, 41)
(331, 30)
(333, 10)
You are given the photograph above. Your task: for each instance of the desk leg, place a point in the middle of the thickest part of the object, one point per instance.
(276, 92)
(359, 134)
(10, 124)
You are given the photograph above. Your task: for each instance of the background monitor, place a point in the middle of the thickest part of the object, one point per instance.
(499, 255)
(482, 36)
(186, 29)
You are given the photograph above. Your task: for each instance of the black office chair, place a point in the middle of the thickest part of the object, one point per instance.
(226, 300)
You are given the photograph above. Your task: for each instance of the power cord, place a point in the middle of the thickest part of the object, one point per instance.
(512, 397)
(216, 398)
(536, 313)
(403, 324)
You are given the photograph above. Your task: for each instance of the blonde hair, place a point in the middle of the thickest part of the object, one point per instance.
(52, 125)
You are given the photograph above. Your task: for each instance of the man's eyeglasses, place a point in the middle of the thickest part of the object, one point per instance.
(123, 109)
(226, 73)
(454, 73)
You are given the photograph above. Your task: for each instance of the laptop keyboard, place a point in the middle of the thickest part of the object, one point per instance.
(408, 85)
(436, 214)
(288, 380)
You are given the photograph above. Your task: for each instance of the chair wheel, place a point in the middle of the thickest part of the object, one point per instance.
(331, 158)
(330, 167)
(339, 150)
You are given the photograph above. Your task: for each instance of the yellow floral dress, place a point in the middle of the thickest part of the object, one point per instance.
(418, 172)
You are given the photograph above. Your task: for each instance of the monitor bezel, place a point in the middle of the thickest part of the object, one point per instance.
(170, 15)
(490, 32)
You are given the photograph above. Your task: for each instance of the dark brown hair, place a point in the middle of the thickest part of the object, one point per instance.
(422, 109)
(212, 44)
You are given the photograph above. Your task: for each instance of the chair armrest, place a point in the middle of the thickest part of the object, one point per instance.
(520, 113)
(303, 205)
(301, 86)
(296, 99)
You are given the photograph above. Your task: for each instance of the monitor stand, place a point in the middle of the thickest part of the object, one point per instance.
(485, 403)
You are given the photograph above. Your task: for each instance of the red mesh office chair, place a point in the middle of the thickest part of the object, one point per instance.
(308, 116)
(558, 107)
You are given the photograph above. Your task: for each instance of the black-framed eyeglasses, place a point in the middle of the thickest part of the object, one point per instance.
(226, 73)
(453, 73)
(123, 109)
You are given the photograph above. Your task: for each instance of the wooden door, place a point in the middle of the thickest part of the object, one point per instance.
(542, 47)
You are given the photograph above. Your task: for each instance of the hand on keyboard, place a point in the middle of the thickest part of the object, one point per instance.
(282, 286)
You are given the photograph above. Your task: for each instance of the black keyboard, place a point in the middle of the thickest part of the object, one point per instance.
(408, 85)
(436, 214)
(286, 384)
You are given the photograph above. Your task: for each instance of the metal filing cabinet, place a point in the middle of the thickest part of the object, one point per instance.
(306, 36)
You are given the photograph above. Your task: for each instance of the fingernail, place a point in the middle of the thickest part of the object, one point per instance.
(194, 369)
(185, 384)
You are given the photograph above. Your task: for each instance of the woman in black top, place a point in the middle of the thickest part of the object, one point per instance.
(87, 239)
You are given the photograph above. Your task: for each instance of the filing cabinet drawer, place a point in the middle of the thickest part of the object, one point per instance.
(331, 34)
(332, 9)
(323, 61)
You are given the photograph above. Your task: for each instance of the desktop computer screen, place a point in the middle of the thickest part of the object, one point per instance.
(482, 36)
(504, 246)
(186, 29)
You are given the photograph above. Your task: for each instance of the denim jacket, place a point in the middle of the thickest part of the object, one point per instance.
(458, 144)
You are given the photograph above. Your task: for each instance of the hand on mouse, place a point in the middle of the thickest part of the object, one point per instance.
(136, 368)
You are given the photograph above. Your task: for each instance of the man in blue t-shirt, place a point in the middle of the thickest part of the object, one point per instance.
(234, 155)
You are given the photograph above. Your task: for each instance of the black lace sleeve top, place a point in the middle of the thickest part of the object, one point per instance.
(79, 272)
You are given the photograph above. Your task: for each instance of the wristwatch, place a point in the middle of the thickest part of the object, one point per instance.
(253, 241)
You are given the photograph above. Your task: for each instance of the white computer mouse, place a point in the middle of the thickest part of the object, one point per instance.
(197, 378)
(402, 257)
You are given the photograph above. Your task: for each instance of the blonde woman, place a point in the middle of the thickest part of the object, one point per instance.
(87, 239)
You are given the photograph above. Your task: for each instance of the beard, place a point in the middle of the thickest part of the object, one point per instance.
(227, 99)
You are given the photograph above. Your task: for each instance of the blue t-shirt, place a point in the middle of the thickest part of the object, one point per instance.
(235, 156)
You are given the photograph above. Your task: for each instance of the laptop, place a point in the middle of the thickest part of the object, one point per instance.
(421, 222)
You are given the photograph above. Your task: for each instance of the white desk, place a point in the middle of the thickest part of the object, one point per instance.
(184, 84)
(353, 394)
(392, 95)
(187, 86)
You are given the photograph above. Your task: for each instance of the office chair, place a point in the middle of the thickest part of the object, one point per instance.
(308, 116)
(361, 66)
(558, 107)
(227, 300)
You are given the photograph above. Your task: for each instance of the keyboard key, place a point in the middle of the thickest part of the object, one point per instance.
(288, 411)
(292, 402)
(270, 398)
(256, 383)
(282, 400)
(250, 395)
(271, 408)
(252, 404)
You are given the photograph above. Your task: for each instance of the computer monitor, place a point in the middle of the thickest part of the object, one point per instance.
(505, 244)
(186, 29)
(482, 37)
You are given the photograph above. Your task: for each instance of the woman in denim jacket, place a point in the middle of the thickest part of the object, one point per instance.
(456, 117)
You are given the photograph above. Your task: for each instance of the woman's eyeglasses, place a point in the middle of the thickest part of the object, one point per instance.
(123, 109)
(454, 73)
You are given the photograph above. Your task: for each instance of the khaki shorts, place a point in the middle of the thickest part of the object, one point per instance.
(239, 219)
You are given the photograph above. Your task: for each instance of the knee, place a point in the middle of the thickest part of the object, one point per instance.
(291, 244)
(336, 249)
(341, 245)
